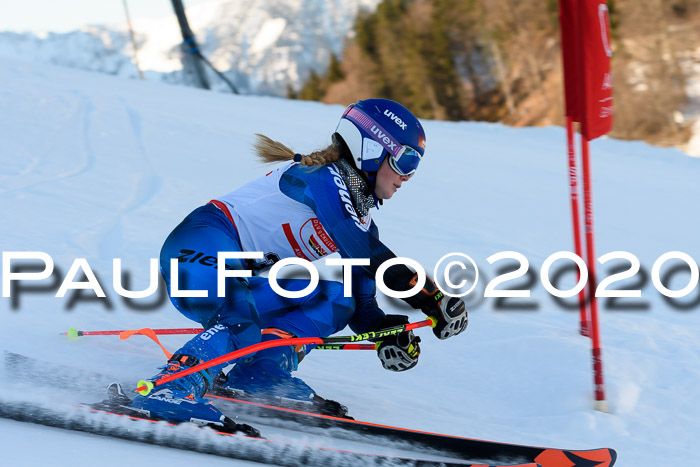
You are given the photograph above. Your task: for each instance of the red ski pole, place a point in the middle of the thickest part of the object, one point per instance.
(145, 387)
(74, 334)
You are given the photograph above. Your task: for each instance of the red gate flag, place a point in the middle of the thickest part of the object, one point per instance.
(571, 58)
(585, 33)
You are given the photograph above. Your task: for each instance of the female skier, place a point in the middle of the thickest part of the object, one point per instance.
(316, 205)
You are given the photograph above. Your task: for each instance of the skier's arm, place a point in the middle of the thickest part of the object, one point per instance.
(397, 353)
(366, 308)
(324, 191)
(364, 291)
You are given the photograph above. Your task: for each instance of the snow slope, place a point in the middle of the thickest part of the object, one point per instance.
(97, 167)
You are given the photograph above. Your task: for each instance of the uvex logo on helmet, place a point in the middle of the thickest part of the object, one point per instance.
(390, 145)
(395, 118)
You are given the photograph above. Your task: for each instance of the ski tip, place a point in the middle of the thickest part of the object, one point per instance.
(604, 457)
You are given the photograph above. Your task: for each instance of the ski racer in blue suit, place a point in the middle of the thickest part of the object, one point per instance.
(311, 207)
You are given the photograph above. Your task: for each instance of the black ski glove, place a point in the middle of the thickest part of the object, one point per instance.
(399, 352)
(450, 312)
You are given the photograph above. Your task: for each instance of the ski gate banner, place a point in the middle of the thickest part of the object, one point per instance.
(586, 48)
(586, 52)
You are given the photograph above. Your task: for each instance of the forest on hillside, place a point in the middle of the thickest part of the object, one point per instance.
(500, 60)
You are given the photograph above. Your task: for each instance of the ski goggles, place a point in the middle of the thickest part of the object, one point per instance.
(406, 161)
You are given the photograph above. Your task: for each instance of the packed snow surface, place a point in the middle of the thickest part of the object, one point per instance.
(99, 167)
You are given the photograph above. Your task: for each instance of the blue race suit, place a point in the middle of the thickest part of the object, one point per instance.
(292, 211)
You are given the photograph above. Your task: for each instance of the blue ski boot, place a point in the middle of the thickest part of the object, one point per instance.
(267, 378)
(181, 400)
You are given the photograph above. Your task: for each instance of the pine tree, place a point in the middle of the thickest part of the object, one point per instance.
(291, 93)
(335, 72)
(313, 89)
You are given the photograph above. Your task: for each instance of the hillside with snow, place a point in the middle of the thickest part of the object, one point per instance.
(261, 45)
(98, 167)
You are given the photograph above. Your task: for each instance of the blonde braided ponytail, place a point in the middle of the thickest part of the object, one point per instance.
(269, 150)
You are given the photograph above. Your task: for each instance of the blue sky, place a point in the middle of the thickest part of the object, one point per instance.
(67, 15)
